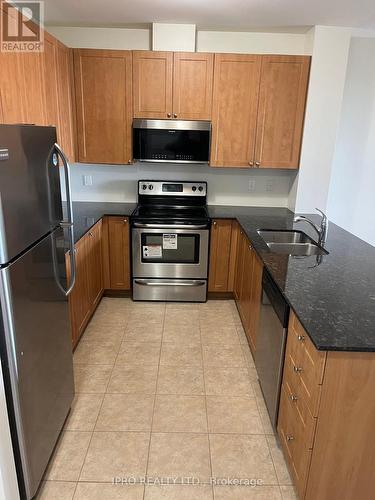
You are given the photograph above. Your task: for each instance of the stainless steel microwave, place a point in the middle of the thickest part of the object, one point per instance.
(173, 141)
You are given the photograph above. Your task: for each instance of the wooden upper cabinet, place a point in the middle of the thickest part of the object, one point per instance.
(22, 88)
(234, 111)
(152, 84)
(282, 98)
(11, 94)
(103, 100)
(51, 79)
(192, 85)
(66, 100)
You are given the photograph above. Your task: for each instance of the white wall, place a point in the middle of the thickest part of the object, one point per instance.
(206, 41)
(225, 186)
(330, 47)
(351, 202)
(176, 37)
(251, 42)
(102, 38)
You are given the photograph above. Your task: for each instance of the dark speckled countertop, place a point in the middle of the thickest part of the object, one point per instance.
(334, 299)
(87, 213)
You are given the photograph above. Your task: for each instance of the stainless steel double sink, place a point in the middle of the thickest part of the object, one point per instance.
(290, 242)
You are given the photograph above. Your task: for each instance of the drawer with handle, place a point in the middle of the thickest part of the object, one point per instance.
(295, 396)
(292, 435)
(304, 364)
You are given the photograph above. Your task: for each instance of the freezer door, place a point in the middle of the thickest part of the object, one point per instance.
(37, 353)
(30, 197)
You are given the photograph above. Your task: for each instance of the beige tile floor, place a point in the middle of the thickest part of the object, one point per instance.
(168, 392)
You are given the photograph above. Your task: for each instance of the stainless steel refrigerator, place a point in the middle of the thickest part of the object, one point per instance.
(35, 343)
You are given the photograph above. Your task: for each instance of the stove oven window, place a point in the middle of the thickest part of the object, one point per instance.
(157, 248)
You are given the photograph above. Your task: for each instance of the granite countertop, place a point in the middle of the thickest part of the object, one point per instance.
(333, 297)
(87, 213)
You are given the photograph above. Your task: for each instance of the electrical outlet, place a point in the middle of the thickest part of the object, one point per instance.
(269, 185)
(87, 180)
(251, 185)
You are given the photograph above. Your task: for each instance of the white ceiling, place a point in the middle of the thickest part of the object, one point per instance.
(228, 14)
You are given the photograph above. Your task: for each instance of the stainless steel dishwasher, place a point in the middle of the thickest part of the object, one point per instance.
(271, 340)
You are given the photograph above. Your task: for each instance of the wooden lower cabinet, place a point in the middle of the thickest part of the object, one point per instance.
(102, 262)
(78, 298)
(116, 253)
(220, 251)
(241, 242)
(88, 288)
(326, 419)
(247, 287)
(94, 264)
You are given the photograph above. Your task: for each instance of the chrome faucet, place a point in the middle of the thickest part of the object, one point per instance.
(321, 230)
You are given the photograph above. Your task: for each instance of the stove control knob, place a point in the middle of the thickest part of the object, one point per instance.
(200, 188)
(150, 187)
(144, 186)
(194, 188)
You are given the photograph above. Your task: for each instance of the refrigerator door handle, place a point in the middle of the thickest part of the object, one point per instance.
(72, 258)
(66, 166)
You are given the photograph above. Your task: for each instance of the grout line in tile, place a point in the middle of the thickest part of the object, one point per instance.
(273, 463)
(154, 404)
(205, 404)
(127, 431)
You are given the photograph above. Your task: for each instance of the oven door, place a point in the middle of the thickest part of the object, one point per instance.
(167, 252)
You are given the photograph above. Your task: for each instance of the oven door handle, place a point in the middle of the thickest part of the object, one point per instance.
(170, 283)
(174, 226)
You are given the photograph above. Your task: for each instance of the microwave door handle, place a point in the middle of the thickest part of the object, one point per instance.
(68, 191)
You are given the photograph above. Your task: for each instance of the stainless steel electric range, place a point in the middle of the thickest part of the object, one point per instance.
(170, 241)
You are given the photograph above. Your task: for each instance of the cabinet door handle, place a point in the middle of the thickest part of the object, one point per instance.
(293, 397)
(301, 338)
(250, 247)
(215, 223)
(91, 234)
(251, 163)
(297, 369)
(125, 221)
(130, 162)
(169, 115)
(174, 115)
(289, 438)
(257, 163)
